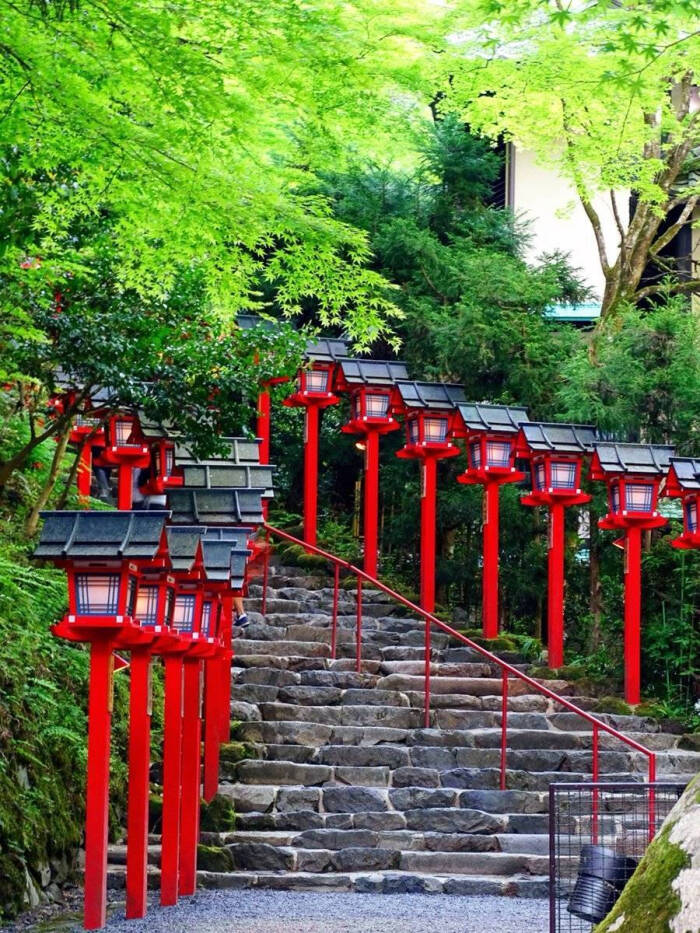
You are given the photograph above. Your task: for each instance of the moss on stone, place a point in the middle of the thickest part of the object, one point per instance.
(233, 752)
(217, 816)
(613, 705)
(648, 902)
(214, 858)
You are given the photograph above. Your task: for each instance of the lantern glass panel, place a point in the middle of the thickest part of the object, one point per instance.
(131, 596)
(169, 460)
(563, 474)
(377, 405)
(122, 432)
(85, 421)
(206, 619)
(414, 431)
(691, 516)
(97, 594)
(475, 454)
(540, 476)
(147, 604)
(615, 497)
(638, 497)
(183, 613)
(357, 407)
(317, 380)
(435, 430)
(498, 453)
(170, 605)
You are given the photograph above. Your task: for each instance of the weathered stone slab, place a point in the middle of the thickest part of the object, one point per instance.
(311, 696)
(298, 798)
(367, 777)
(454, 821)
(354, 799)
(415, 777)
(373, 756)
(336, 839)
(262, 857)
(365, 859)
(414, 798)
(373, 697)
(283, 772)
(249, 798)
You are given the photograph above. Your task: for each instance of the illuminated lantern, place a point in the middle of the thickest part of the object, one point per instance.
(103, 554)
(633, 474)
(125, 449)
(490, 433)
(430, 415)
(556, 453)
(373, 401)
(315, 390)
(684, 483)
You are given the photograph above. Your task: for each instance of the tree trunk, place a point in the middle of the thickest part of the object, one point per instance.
(43, 497)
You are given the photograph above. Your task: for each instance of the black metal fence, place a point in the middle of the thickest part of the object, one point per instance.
(598, 832)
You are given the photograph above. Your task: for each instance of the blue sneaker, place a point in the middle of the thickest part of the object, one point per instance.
(241, 621)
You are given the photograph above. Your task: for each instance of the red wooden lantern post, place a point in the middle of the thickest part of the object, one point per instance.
(373, 401)
(102, 553)
(154, 606)
(225, 553)
(87, 432)
(490, 432)
(125, 450)
(684, 483)
(556, 453)
(430, 425)
(633, 474)
(314, 392)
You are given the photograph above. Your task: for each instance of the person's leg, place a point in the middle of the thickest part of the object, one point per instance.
(241, 620)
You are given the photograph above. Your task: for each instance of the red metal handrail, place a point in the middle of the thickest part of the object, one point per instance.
(507, 670)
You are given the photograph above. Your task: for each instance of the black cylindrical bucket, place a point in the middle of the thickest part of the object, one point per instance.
(602, 875)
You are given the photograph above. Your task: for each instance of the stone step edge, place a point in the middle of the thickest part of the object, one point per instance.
(381, 882)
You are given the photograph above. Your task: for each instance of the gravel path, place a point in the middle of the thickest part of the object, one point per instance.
(326, 912)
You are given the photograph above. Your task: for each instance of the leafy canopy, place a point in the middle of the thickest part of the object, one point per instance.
(196, 126)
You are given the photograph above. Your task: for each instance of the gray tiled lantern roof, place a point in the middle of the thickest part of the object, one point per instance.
(236, 535)
(562, 438)
(436, 396)
(222, 562)
(500, 419)
(638, 459)
(222, 475)
(238, 450)
(154, 430)
(687, 470)
(99, 535)
(183, 542)
(373, 372)
(216, 506)
(326, 349)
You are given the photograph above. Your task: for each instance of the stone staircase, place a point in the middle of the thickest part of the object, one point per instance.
(337, 785)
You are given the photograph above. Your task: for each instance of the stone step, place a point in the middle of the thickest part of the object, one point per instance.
(450, 821)
(305, 649)
(439, 669)
(377, 882)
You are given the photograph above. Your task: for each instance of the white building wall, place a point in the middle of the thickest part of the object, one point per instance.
(557, 219)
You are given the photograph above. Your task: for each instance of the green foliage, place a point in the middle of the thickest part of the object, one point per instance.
(217, 816)
(214, 858)
(197, 130)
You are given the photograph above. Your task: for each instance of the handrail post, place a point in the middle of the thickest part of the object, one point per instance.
(334, 620)
(266, 572)
(358, 628)
(652, 801)
(504, 726)
(595, 769)
(426, 701)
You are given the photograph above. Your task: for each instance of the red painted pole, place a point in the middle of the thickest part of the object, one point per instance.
(191, 777)
(633, 613)
(555, 587)
(263, 424)
(139, 764)
(97, 794)
(371, 516)
(84, 476)
(489, 619)
(426, 691)
(263, 432)
(224, 698)
(124, 481)
(172, 781)
(427, 533)
(310, 473)
(213, 698)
